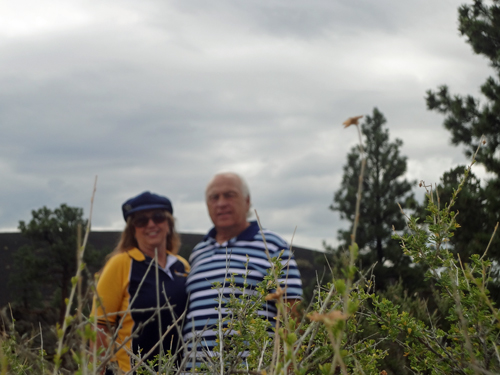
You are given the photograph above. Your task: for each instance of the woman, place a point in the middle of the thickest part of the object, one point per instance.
(127, 294)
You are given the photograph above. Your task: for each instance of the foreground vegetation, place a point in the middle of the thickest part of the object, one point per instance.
(348, 328)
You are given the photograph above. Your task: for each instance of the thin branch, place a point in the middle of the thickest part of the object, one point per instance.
(491, 240)
(73, 289)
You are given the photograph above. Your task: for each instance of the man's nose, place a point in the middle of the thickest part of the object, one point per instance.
(221, 201)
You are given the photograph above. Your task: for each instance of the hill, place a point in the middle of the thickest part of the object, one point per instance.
(106, 240)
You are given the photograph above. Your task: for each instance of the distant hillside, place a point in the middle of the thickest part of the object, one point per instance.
(106, 241)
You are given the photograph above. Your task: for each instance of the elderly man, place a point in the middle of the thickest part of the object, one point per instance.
(224, 252)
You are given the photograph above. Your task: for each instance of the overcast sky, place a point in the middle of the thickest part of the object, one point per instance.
(161, 94)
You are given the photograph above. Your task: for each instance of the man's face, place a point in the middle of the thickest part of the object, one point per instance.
(226, 204)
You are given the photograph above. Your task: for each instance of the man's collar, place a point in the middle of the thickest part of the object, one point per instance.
(247, 235)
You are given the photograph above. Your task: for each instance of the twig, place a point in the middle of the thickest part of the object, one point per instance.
(276, 336)
(360, 189)
(157, 282)
(73, 289)
(41, 346)
(463, 322)
(221, 296)
(246, 372)
(491, 240)
(83, 343)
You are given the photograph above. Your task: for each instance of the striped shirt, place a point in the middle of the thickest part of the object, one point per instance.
(212, 262)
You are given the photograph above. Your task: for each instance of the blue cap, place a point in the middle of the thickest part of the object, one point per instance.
(146, 201)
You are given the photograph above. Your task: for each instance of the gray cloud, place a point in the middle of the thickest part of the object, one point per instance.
(157, 95)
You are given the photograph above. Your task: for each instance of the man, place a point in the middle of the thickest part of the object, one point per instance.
(223, 252)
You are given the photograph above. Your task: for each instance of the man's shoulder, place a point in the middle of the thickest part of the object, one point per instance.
(274, 237)
(200, 247)
(254, 236)
(206, 241)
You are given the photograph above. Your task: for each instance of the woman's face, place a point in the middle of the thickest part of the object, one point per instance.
(151, 230)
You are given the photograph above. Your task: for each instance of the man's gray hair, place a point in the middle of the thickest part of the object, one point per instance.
(244, 186)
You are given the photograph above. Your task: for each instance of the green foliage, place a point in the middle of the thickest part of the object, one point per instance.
(243, 329)
(46, 266)
(470, 204)
(28, 272)
(18, 355)
(468, 118)
(469, 345)
(384, 188)
(324, 340)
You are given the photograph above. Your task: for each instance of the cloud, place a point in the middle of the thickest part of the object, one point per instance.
(160, 95)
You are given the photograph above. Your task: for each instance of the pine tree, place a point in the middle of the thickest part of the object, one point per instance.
(45, 266)
(383, 189)
(469, 118)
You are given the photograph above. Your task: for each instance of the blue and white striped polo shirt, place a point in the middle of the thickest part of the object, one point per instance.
(212, 262)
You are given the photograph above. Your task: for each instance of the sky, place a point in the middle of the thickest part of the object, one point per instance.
(159, 95)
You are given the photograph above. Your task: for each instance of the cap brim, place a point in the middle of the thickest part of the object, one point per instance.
(146, 207)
